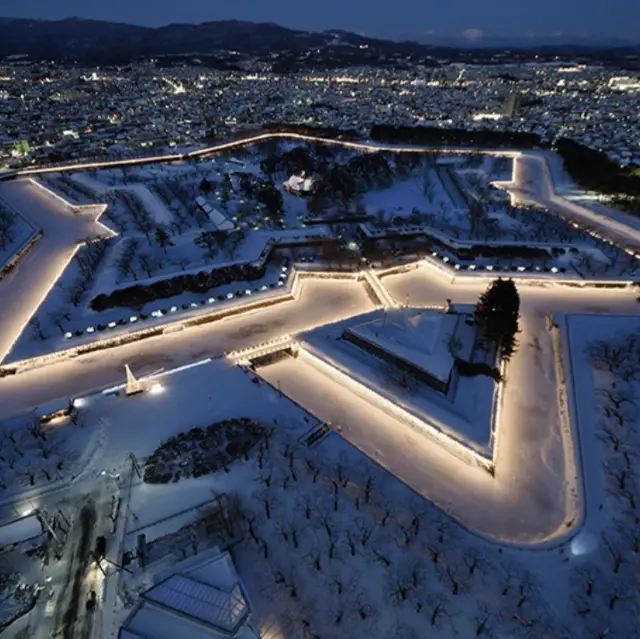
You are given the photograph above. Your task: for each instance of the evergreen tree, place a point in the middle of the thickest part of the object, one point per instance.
(225, 191)
(497, 313)
(205, 185)
(162, 239)
(271, 198)
(208, 242)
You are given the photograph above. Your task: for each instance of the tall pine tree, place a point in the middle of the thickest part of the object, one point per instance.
(497, 313)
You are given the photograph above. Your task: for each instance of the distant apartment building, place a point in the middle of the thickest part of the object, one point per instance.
(512, 104)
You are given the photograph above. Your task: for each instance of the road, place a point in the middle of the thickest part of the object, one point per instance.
(26, 287)
(76, 575)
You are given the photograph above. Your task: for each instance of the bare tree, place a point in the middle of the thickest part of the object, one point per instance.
(385, 512)
(351, 539)
(629, 534)
(613, 436)
(325, 520)
(618, 399)
(484, 622)
(34, 322)
(621, 478)
(181, 262)
(473, 561)
(29, 476)
(364, 531)
(368, 489)
(59, 318)
(145, 264)
(398, 588)
(363, 608)
(615, 550)
(265, 498)
(455, 574)
(606, 355)
(306, 505)
(437, 611)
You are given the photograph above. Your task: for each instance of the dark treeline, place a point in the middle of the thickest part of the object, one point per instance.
(593, 170)
(433, 136)
(317, 131)
(138, 295)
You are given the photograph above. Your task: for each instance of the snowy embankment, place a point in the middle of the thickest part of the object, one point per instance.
(567, 188)
(15, 233)
(179, 259)
(582, 332)
(117, 324)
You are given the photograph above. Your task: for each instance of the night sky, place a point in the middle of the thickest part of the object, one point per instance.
(564, 19)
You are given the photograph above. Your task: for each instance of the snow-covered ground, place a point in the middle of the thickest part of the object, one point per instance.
(15, 232)
(420, 192)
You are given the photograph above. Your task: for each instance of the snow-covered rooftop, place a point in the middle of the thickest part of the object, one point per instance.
(200, 599)
(222, 223)
(224, 610)
(299, 183)
(420, 338)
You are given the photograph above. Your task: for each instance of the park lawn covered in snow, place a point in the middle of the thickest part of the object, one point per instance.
(36, 456)
(423, 191)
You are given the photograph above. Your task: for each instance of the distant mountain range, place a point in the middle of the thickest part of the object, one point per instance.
(475, 39)
(235, 41)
